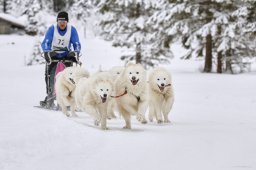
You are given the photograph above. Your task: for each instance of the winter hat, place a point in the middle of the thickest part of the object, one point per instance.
(62, 16)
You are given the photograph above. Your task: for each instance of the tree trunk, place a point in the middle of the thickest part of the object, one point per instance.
(138, 54)
(228, 65)
(208, 54)
(228, 61)
(219, 54)
(4, 6)
(58, 5)
(55, 7)
(219, 62)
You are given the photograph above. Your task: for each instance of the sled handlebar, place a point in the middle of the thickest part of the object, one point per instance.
(64, 61)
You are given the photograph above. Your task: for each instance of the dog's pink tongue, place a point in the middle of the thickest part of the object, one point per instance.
(161, 88)
(134, 82)
(103, 99)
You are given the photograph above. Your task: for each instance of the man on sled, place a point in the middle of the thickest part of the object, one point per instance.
(60, 45)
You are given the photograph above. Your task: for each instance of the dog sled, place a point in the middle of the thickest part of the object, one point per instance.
(50, 101)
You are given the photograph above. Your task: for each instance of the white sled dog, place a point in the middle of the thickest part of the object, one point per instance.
(115, 73)
(92, 96)
(130, 91)
(65, 85)
(161, 96)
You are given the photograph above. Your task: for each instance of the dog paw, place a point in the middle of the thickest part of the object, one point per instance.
(111, 117)
(167, 121)
(74, 115)
(144, 121)
(68, 114)
(140, 117)
(159, 121)
(96, 122)
(126, 127)
(104, 128)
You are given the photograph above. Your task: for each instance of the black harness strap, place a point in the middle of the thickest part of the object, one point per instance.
(138, 98)
(70, 93)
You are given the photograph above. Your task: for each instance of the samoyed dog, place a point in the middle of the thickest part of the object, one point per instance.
(130, 93)
(65, 86)
(92, 95)
(115, 73)
(161, 96)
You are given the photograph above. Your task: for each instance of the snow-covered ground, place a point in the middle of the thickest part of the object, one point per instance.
(213, 120)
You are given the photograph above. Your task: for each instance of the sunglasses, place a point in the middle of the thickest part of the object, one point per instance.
(62, 21)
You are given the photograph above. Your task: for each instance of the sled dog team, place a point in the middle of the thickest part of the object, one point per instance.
(126, 90)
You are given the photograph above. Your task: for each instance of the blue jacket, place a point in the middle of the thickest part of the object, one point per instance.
(74, 41)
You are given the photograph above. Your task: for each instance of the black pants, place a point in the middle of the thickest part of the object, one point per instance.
(50, 71)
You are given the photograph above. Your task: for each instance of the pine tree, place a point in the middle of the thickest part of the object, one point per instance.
(8, 6)
(33, 9)
(173, 20)
(35, 58)
(232, 43)
(213, 28)
(15, 7)
(59, 5)
(2, 6)
(80, 11)
(124, 22)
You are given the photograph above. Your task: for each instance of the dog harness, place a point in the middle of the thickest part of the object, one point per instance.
(125, 92)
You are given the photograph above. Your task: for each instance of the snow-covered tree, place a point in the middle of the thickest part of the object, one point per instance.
(80, 11)
(190, 21)
(59, 5)
(35, 58)
(33, 9)
(233, 34)
(8, 5)
(124, 22)
(2, 6)
(210, 28)
(168, 22)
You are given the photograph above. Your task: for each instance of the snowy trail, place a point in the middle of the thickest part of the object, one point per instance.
(213, 122)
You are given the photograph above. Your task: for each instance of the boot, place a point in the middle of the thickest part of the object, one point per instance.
(44, 102)
(48, 102)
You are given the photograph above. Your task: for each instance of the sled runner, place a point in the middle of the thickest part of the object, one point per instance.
(53, 109)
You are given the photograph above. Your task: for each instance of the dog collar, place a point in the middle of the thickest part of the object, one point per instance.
(125, 92)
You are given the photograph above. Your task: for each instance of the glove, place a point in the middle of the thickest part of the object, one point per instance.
(73, 56)
(47, 58)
